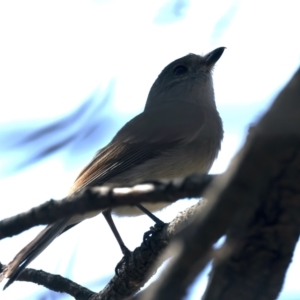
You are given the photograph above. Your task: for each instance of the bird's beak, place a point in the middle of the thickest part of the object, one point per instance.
(212, 57)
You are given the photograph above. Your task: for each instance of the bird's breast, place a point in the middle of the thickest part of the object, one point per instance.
(184, 160)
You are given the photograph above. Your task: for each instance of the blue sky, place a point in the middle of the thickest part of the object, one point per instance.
(57, 55)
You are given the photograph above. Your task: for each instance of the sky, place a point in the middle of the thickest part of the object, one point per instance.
(73, 72)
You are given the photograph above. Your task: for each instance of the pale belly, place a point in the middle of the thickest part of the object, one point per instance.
(133, 211)
(176, 165)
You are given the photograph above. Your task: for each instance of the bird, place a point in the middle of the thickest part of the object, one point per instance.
(178, 133)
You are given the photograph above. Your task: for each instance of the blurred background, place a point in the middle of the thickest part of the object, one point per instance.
(73, 72)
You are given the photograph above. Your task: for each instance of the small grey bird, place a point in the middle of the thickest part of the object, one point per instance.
(178, 133)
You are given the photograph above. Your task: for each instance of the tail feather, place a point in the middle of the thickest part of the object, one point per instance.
(32, 250)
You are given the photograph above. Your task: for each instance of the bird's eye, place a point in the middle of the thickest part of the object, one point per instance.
(180, 70)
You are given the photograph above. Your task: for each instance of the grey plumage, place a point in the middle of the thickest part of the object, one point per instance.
(178, 133)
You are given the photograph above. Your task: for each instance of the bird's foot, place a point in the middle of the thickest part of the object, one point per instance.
(153, 229)
(124, 261)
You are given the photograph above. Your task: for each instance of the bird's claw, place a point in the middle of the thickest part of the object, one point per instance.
(125, 260)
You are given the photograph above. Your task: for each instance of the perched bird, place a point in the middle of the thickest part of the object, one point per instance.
(178, 133)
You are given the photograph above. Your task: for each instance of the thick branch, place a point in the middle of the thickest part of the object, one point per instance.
(257, 267)
(101, 198)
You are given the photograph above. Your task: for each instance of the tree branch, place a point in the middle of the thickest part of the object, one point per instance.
(101, 198)
(55, 283)
(257, 267)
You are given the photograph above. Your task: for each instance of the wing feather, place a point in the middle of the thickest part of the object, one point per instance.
(144, 137)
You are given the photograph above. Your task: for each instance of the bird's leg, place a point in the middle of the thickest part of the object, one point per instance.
(110, 221)
(159, 224)
(126, 252)
(157, 221)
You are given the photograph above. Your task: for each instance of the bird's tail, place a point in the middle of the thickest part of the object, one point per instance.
(32, 250)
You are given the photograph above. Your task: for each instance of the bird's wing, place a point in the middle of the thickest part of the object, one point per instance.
(143, 138)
